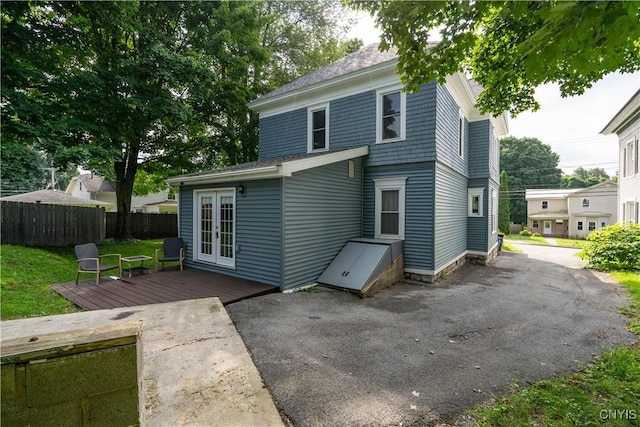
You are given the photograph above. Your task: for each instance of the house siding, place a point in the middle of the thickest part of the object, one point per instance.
(352, 121)
(447, 130)
(478, 227)
(258, 231)
(323, 210)
(419, 209)
(283, 135)
(450, 238)
(479, 141)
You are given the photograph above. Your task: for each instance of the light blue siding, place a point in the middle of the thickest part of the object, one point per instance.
(450, 240)
(352, 121)
(447, 132)
(419, 209)
(258, 231)
(283, 135)
(479, 137)
(478, 227)
(323, 210)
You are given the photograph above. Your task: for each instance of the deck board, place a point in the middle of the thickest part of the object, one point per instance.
(160, 287)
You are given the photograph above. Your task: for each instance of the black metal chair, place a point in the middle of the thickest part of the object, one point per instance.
(89, 261)
(172, 250)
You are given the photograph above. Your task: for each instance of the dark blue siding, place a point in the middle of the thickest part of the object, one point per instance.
(419, 209)
(479, 138)
(258, 230)
(447, 133)
(478, 227)
(352, 121)
(450, 216)
(323, 210)
(283, 135)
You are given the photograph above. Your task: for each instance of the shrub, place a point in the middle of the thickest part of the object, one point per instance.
(525, 232)
(616, 247)
(536, 235)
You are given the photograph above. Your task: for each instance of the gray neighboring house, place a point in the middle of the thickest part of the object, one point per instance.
(344, 154)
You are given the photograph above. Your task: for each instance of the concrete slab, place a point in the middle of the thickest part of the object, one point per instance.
(196, 369)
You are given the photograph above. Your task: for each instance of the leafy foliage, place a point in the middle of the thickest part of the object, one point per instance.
(582, 178)
(504, 209)
(529, 164)
(525, 232)
(615, 247)
(510, 48)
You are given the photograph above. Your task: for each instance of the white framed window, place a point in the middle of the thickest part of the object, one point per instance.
(579, 225)
(476, 202)
(628, 212)
(390, 114)
(214, 226)
(585, 202)
(460, 135)
(318, 128)
(390, 207)
(545, 204)
(592, 225)
(630, 159)
(535, 224)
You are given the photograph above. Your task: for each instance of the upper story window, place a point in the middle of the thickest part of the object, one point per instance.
(545, 204)
(390, 114)
(318, 128)
(630, 159)
(585, 203)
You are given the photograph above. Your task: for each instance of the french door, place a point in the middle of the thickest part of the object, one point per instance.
(214, 227)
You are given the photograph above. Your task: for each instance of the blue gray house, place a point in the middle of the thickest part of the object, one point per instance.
(345, 154)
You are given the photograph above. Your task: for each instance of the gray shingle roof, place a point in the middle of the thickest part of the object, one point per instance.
(49, 197)
(363, 58)
(97, 184)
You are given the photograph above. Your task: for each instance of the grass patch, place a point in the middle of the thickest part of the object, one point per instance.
(571, 243)
(28, 273)
(604, 393)
(506, 246)
(538, 240)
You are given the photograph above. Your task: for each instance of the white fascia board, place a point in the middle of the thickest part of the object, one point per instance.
(627, 112)
(364, 80)
(231, 175)
(293, 166)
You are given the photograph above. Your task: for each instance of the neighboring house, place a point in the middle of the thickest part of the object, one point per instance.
(571, 212)
(94, 187)
(52, 197)
(344, 154)
(626, 124)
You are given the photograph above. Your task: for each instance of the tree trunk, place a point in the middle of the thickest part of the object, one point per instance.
(125, 175)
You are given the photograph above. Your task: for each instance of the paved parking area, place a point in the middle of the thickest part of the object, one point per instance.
(421, 355)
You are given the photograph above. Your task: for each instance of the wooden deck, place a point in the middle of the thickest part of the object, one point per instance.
(160, 287)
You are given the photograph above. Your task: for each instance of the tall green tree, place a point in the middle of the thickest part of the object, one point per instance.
(504, 204)
(529, 163)
(581, 177)
(511, 47)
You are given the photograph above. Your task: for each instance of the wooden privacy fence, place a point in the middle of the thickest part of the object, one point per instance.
(145, 225)
(34, 224)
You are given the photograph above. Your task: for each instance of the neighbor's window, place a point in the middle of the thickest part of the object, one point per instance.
(318, 128)
(535, 224)
(630, 158)
(603, 224)
(592, 225)
(585, 203)
(545, 204)
(579, 225)
(389, 207)
(475, 201)
(391, 112)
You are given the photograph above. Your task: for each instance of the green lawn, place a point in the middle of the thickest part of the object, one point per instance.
(570, 243)
(506, 246)
(26, 276)
(605, 392)
(526, 239)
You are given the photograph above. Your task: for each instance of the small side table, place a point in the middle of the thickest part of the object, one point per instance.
(141, 267)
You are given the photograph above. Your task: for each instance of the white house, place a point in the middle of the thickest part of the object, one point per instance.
(626, 124)
(571, 212)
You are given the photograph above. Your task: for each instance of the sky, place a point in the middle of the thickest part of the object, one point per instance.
(571, 126)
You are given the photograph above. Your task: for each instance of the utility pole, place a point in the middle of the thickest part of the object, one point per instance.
(53, 183)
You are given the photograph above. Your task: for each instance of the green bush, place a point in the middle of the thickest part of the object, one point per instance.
(616, 247)
(525, 232)
(536, 235)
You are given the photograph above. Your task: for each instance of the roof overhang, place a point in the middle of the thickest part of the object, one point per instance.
(280, 170)
(629, 112)
(549, 216)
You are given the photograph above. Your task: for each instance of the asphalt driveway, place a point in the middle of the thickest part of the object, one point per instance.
(422, 354)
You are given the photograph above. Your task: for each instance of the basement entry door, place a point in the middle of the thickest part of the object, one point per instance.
(215, 227)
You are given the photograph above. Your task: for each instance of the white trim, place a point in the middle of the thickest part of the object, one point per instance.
(215, 258)
(386, 90)
(310, 110)
(274, 171)
(390, 184)
(475, 192)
